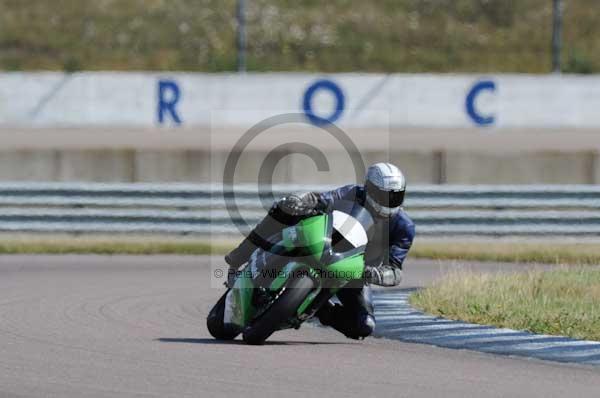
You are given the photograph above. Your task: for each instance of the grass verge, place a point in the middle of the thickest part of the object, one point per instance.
(559, 302)
(549, 252)
(111, 245)
(534, 252)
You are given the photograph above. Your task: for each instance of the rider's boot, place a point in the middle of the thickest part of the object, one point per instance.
(352, 324)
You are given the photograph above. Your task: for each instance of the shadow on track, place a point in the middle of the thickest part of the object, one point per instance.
(240, 342)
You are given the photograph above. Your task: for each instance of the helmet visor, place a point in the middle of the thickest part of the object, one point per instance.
(391, 199)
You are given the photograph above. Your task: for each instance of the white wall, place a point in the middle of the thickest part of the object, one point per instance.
(371, 100)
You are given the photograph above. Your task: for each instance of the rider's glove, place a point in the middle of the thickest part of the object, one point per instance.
(303, 205)
(292, 205)
(384, 275)
(314, 201)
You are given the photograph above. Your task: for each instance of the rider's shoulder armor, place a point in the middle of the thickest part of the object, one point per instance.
(352, 192)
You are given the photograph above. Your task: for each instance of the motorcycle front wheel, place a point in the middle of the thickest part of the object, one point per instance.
(214, 322)
(281, 310)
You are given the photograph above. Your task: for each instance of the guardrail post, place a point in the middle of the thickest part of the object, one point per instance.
(440, 160)
(595, 168)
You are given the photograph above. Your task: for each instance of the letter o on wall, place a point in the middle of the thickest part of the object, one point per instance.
(478, 118)
(327, 85)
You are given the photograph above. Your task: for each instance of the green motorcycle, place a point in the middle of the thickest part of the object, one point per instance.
(286, 285)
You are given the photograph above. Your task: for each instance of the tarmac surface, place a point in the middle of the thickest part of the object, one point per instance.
(127, 326)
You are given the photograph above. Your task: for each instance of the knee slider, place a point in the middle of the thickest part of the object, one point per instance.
(366, 326)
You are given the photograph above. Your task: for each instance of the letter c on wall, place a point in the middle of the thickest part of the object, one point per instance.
(482, 120)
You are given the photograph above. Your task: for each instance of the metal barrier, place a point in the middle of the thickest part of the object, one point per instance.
(201, 208)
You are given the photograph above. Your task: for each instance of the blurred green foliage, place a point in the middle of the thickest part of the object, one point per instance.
(309, 35)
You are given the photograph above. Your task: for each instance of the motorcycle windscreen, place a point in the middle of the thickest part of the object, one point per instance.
(348, 232)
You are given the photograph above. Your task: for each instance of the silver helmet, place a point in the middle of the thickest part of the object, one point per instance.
(385, 186)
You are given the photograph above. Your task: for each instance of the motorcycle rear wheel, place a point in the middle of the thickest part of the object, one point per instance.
(284, 308)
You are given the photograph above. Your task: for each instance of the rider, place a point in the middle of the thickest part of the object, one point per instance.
(383, 195)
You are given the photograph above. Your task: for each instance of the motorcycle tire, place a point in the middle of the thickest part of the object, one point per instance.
(214, 322)
(281, 310)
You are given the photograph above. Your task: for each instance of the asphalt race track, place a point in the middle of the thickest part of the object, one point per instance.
(94, 326)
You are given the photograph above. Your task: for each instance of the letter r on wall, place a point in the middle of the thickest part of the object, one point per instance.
(168, 97)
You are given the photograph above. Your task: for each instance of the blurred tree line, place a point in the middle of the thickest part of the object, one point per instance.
(307, 35)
